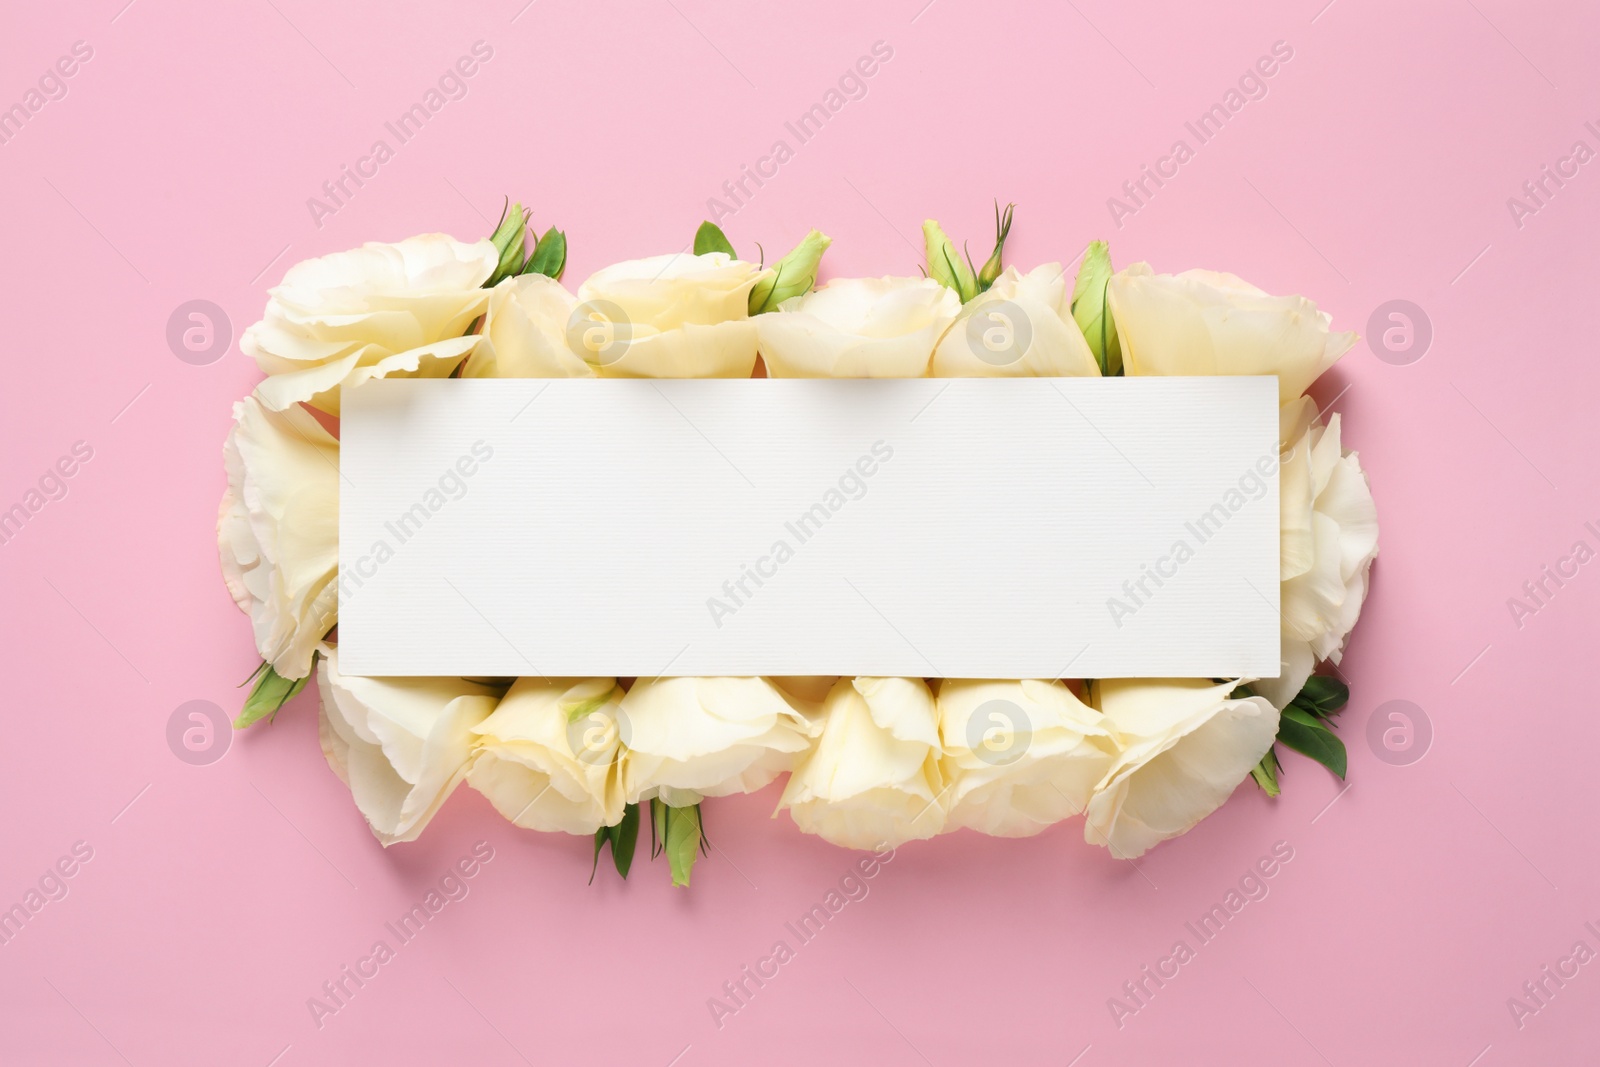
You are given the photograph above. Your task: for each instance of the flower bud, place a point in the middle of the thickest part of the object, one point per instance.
(1090, 312)
(796, 274)
(946, 265)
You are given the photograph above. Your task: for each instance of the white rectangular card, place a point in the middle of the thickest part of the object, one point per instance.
(979, 527)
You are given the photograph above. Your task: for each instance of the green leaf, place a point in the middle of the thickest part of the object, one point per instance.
(1002, 229)
(1090, 312)
(682, 841)
(272, 691)
(945, 264)
(624, 838)
(601, 836)
(549, 255)
(509, 237)
(710, 238)
(1266, 773)
(1309, 736)
(1322, 696)
(795, 275)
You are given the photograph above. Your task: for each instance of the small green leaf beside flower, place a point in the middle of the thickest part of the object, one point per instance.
(549, 256)
(710, 238)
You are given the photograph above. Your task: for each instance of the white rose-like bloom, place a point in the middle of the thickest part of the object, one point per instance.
(1022, 326)
(525, 332)
(400, 744)
(689, 738)
(873, 779)
(1202, 322)
(373, 311)
(278, 530)
(1182, 748)
(1329, 538)
(858, 328)
(675, 316)
(549, 757)
(1020, 756)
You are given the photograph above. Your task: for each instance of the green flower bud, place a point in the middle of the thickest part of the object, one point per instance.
(508, 238)
(1090, 311)
(1002, 229)
(795, 274)
(946, 265)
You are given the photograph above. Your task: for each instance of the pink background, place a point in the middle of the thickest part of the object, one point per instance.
(219, 898)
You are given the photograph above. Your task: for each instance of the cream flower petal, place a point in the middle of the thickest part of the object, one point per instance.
(709, 736)
(858, 328)
(671, 291)
(1329, 541)
(870, 781)
(1021, 327)
(1183, 747)
(361, 309)
(723, 350)
(549, 757)
(1020, 756)
(401, 744)
(278, 530)
(1203, 322)
(525, 332)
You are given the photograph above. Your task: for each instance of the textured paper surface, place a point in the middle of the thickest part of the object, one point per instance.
(941, 528)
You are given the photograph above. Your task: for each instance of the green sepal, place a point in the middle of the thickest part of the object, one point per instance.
(272, 691)
(623, 838)
(680, 838)
(1091, 312)
(710, 238)
(1322, 696)
(945, 265)
(1309, 736)
(795, 274)
(509, 237)
(549, 255)
(1002, 229)
(1266, 773)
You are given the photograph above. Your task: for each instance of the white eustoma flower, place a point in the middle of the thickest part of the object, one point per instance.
(374, 311)
(525, 332)
(675, 316)
(689, 738)
(400, 744)
(1202, 322)
(1022, 326)
(873, 779)
(549, 758)
(1020, 755)
(1182, 747)
(278, 530)
(858, 328)
(1329, 538)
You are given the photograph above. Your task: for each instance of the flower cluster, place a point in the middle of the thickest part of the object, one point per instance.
(870, 762)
